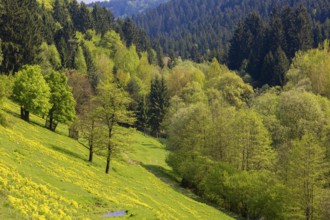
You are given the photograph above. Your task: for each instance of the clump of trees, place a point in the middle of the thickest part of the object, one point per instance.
(260, 153)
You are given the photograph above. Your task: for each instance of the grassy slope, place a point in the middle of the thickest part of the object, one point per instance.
(45, 174)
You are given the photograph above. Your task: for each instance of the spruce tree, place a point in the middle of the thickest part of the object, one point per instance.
(158, 103)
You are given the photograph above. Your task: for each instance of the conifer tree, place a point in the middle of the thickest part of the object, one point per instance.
(158, 103)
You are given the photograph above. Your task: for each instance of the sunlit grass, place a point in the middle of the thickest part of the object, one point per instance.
(46, 175)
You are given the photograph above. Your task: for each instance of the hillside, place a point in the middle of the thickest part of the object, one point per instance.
(123, 8)
(202, 29)
(46, 175)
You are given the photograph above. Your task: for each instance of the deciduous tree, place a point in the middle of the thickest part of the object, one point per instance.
(31, 91)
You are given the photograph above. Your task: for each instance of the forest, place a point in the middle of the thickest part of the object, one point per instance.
(124, 8)
(254, 141)
(202, 29)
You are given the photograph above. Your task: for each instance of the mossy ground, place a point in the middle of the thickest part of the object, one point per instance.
(46, 175)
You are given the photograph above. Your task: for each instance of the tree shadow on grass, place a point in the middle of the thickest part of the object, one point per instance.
(152, 146)
(68, 153)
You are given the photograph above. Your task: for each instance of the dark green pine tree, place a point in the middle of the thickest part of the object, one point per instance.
(103, 20)
(142, 115)
(81, 16)
(275, 35)
(129, 32)
(65, 35)
(235, 54)
(158, 104)
(21, 33)
(92, 75)
(298, 30)
(280, 66)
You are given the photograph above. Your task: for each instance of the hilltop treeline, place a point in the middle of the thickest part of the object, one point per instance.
(202, 29)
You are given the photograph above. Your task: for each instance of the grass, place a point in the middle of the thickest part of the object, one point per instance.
(46, 175)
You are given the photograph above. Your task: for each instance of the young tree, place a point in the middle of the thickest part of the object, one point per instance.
(31, 91)
(61, 100)
(91, 130)
(112, 109)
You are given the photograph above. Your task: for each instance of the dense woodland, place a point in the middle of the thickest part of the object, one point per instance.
(262, 153)
(123, 8)
(202, 29)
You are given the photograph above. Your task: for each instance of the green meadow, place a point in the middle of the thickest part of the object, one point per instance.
(46, 175)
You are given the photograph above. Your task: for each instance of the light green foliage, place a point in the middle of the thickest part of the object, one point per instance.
(256, 194)
(112, 109)
(146, 72)
(193, 93)
(79, 61)
(111, 41)
(181, 75)
(48, 58)
(310, 71)
(249, 146)
(31, 91)
(301, 113)
(61, 100)
(189, 128)
(105, 66)
(215, 70)
(306, 176)
(6, 83)
(267, 105)
(233, 89)
(127, 60)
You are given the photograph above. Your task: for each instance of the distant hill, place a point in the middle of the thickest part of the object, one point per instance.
(187, 27)
(123, 8)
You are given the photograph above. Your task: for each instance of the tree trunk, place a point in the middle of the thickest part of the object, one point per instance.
(91, 154)
(25, 115)
(50, 123)
(22, 113)
(74, 132)
(108, 160)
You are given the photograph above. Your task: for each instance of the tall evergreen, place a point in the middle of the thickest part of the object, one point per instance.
(21, 33)
(158, 104)
(103, 19)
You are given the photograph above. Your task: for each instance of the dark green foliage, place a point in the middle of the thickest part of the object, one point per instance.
(131, 34)
(103, 19)
(123, 8)
(92, 75)
(21, 33)
(158, 103)
(142, 116)
(64, 36)
(264, 51)
(181, 25)
(81, 17)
